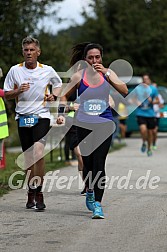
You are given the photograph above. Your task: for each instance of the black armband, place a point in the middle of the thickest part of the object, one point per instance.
(61, 109)
(55, 97)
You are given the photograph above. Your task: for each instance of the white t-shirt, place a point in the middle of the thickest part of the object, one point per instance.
(32, 100)
(156, 106)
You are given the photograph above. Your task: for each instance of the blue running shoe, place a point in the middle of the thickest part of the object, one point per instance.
(143, 147)
(98, 211)
(90, 200)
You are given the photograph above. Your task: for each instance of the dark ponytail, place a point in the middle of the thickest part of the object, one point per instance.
(77, 52)
(80, 50)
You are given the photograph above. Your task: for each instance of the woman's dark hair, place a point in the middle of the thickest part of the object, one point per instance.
(79, 51)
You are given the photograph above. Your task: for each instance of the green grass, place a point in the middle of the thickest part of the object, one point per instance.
(12, 167)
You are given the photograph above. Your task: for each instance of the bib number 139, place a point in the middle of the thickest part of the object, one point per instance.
(28, 121)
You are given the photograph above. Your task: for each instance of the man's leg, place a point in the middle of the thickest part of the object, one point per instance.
(144, 136)
(67, 147)
(29, 169)
(25, 135)
(116, 132)
(151, 128)
(150, 138)
(155, 132)
(40, 163)
(39, 136)
(123, 127)
(79, 158)
(143, 132)
(39, 172)
(31, 188)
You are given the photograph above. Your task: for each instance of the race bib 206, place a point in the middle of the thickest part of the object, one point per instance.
(94, 106)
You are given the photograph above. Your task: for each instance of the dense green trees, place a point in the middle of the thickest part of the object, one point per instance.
(18, 18)
(132, 30)
(128, 29)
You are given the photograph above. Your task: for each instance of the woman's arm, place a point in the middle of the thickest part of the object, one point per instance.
(119, 85)
(72, 85)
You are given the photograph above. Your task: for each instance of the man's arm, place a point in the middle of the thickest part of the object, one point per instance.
(56, 92)
(155, 101)
(155, 98)
(12, 94)
(54, 95)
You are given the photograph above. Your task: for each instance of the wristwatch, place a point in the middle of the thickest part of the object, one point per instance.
(107, 74)
(55, 97)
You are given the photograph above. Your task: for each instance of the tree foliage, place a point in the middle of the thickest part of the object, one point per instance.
(56, 50)
(18, 18)
(132, 30)
(127, 29)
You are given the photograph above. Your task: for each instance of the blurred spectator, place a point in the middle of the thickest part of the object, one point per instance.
(156, 108)
(122, 111)
(119, 113)
(3, 120)
(69, 154)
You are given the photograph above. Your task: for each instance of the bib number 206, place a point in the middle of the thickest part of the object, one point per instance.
(94, 107)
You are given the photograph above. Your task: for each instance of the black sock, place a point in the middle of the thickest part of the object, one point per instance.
(90, 190)
(31, 188)
(38, 189)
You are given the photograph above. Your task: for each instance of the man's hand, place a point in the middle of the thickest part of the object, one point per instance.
(60, 120)
(12, 94)
(150, 100)
(76, 106)
(49, 97)
(24, 87)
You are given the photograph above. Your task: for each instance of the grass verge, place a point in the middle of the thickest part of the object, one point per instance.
(51, 160)
(12, 167)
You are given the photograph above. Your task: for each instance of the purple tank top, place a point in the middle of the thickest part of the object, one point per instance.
(94, 101)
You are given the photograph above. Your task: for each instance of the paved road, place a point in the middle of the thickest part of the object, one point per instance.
(136, 219)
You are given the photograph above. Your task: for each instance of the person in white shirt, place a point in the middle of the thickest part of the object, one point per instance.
(28, 83)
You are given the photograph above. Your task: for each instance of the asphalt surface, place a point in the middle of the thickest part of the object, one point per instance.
(135, 218)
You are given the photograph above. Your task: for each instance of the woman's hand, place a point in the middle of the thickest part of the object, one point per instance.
(100, 68)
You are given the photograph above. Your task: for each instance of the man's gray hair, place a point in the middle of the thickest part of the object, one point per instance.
(29, 40)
